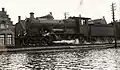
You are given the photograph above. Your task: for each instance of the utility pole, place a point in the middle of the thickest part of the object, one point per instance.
(66, 14)
(114, 22)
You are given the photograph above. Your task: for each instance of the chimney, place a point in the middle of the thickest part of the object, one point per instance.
(7, 15)
(19, 18)
(103, 17)
(9, 18)
(80, 15)
(50, 13)
(31, 15)
(3, 9)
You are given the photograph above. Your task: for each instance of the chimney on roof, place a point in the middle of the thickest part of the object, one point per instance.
(19, 18)
(50, 13)
(79, 15)
(9, 18)
(3, 9)
(7, 15)
(103, 17)
(31, 15)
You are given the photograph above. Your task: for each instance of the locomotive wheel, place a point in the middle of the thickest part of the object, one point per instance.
(43, 42)
(46, 40)
(110, 40)
(81, 40)
(93, 40)
(29, 41)
(24, 42)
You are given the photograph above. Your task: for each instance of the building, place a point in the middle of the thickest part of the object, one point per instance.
(49, 16)
(6, 29)
(98, 21)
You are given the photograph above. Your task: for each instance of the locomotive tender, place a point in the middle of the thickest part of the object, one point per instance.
(44, 30)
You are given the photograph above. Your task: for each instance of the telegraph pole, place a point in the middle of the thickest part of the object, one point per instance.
(66, 15)
(114, 23)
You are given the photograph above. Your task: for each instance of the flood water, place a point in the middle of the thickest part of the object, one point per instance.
(104, 59)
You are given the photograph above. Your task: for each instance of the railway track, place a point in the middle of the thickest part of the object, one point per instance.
(57, 48)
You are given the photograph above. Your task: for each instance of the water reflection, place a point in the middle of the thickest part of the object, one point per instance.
(13, 61)
(105, 59)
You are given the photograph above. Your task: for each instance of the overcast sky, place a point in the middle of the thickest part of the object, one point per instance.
(88, 8)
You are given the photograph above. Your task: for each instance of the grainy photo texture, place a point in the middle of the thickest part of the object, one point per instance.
(60, 35)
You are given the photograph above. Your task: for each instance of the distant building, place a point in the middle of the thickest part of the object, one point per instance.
(6, 29)
(49, 16)
(98, 21)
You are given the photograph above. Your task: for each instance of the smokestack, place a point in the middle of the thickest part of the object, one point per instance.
(32, 15)
(19, 18)
(3, 9)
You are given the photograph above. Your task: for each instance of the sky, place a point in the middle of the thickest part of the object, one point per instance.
(93, 9)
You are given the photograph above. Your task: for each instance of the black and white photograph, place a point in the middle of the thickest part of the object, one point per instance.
(59, 34)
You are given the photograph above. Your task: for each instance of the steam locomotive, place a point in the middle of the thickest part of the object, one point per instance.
(46, 30)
